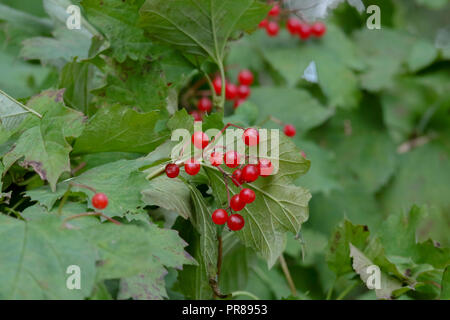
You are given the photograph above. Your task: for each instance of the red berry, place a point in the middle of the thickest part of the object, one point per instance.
(217, 84)
(198, 116)
(200, 140)
(243, 91)
(172, 170)
(292, 25)
(263, 24)
(204, 104)
(192, 167)
(304, 31)
(216, 158)
(247, 195)
(219, 216)
(250, 173)
(231, 91)
(275, 11)
(251, 137)
(236, 203)
(265, 167)
(238, 102)
(318, 29)
(245, 77)
(289, 130)
(237, 177)
(235, 222)
(100, 201)
(231, 159)
(272, 28)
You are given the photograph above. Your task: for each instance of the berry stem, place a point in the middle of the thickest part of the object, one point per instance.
(82, 186)
(87, 214)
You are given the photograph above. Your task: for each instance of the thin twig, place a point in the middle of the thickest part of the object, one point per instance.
(88, 214)
(287, 275)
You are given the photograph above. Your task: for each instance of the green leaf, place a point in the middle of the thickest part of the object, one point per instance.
(121, 129)
(171, 194)
(117, 20)
(35, 256)
(422, 54)
(105, 178)
(43, 144)
(13, 112)
(149, 285)
(445, 291)
(200, 27)
(299, 107)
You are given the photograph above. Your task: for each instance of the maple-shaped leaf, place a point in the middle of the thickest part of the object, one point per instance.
(43, 144)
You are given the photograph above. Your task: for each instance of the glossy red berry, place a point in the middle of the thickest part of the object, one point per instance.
(100, 201)
(318, 29)
(216, 158)
(265, 167)
(245, 77)
(289, 130)
(236, 203)
(204, 104)
(238, 102)
(192, 167)
(250, 173)
(251, 137)
(292, 25)
(172, 170)
(235, 222)
(247, 195)
(200, 140)
(231, 91)
(243, 91)
(272, 28)
(217, 84)
(263, 24)
(236, 177)
(231, 159)
(304, 31)
(219, 216)
(275, 11)
(197, 115)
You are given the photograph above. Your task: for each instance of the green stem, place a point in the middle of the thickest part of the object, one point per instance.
(287, 275)
(64, 200)
(244, 293)
(346, 291)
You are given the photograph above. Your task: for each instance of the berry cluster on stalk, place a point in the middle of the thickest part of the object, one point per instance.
(295, 26)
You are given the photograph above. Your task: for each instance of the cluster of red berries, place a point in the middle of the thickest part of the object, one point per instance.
(245, 174)
(100, 201)
(293, 25)
(237, 93)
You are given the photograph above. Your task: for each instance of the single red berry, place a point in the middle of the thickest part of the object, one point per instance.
(219, 216)
(231, 159)
(250, 173)
(204, 104)
(172, 170)
(265, 167)
(236, 203)
(304, 31)
(216, 158)
(192, 167)
(235, 222)
(238, 102)
(247, 195)
(100, 201)
(236, 177)
(197, 115)
(217, 84)
(200, 140)
(289, 130)
(263, 24)
(243, 91)
(275, 11)
(231, 91)
(272, 28)
(251, 137)
(318, 29)
(245, 77)
(292, 25)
